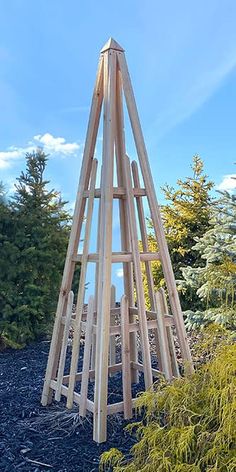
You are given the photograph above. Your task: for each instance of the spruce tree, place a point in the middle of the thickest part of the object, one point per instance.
(185, 215)
(35, 246)
(215, 282)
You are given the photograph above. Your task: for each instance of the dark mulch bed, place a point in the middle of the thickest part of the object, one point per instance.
(30, 433)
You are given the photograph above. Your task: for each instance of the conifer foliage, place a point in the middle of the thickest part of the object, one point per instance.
(189, 425)
(215, 282)
(33, 239)
(185, 216)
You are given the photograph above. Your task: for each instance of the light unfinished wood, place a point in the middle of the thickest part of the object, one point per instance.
(148, 267)
(111, 45)
(121, 257)
(64, 346)
(118, 192)
(80, 296)
(155, 212)
(124, 216)
(170, 339)
(138, 366)
(127, 183)
(54, 353)
(162, 337)
(138, 279)
(86, 360)
(112, 353)
(78, 377)
(125, 356)
(98, 322)
(105, 250)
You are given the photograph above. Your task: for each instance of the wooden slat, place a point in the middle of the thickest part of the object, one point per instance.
(138, 366)
(162, 338)
(155, 212)
(64, 346)
(132, 328)
(76, 396)
(170, 339)
(168, 319)
(138, 280)
(53, 357)
(86, 360)
(105, 250)
(121, 257)
(80, 296)
(119, 407)
(124, 215)
(125, 356)
(112, 347)
(112, 368)
(118, 192)
(93, 353)
(144, 239)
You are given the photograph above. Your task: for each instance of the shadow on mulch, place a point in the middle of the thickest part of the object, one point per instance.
(32, 435)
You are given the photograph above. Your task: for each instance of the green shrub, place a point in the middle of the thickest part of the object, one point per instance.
(189, 425)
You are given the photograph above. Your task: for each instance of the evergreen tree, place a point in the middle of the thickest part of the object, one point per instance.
(185, 216)
(6, 230)
(34, 242)
(215, 282)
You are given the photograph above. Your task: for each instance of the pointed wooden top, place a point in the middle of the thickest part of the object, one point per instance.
(112, 44)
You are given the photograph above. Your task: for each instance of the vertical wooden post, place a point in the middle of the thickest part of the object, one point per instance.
(86, 361)
(80, 297)
(105, 249)
(112, 353)
(148, 267)
(171, 346)
(93, 353)
(124, 217)
(138, 278)
(125, 355)
(162, 336)
(64, 346)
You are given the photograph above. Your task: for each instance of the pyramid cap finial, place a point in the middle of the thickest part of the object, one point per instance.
(112, 44)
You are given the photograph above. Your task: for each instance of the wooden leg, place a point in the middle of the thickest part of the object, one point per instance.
(53, 357)
(93, 353)
(80, 297)
(64, 346)
(148, 267)
(86, 361)
(170, 339)
(124, 219)
(125, 352)
(105, 250)
(162, 337)
(112, 356)
(155, 213)
(138, 279)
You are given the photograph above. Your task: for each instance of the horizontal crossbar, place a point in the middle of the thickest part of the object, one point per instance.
(121, 257)
(112, 408)
(118, 192)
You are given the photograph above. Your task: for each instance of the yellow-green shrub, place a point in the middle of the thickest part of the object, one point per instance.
(190, 425)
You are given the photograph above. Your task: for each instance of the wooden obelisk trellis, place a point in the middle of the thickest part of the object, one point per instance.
(103, 320)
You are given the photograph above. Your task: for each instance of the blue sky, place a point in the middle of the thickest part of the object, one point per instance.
(182, 61)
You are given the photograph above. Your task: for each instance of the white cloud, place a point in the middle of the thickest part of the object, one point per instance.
(228, 182)
(47, 141)
(8, 157)
(56, 145)
(120, 272)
